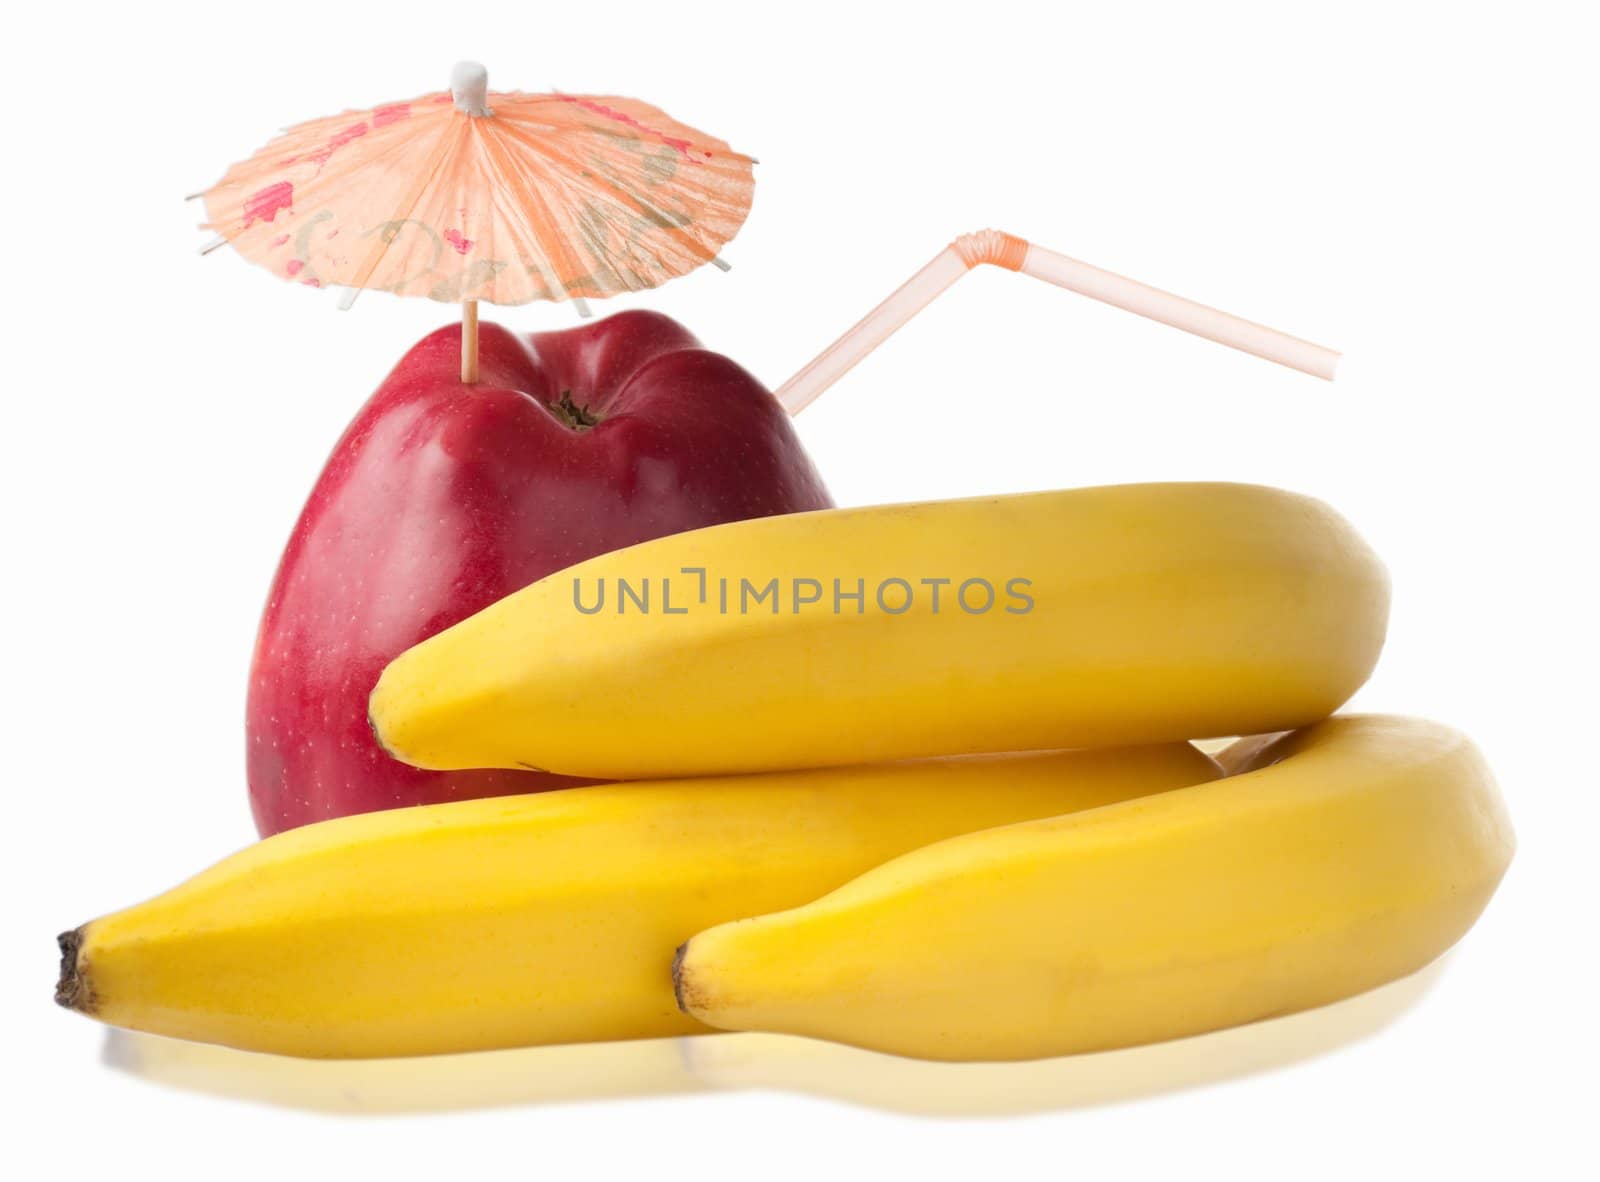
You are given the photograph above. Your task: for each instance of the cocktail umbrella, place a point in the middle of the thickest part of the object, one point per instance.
(469, 195)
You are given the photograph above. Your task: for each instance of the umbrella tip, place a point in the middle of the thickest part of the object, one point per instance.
(469, 86)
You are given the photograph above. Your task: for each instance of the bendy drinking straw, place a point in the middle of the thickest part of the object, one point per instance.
(1015, 254)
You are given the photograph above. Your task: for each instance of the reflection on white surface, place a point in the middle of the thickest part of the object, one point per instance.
(765, 1062)
(782, 1063)
(439, 1083)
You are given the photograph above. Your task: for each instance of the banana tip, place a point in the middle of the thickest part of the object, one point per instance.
(677, 976)
(377, 731)
(72, 988)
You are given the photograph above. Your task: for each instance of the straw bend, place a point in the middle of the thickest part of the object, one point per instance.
(991, 246)
(1007, 251)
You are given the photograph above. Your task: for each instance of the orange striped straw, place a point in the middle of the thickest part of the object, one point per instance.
(1015, 254)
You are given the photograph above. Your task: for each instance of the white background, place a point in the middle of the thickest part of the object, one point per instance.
(1408, 183)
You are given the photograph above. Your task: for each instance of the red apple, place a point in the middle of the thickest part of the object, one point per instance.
(442, 498)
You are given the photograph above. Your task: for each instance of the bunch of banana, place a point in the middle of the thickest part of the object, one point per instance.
(988, 906)
(1095, 617)
(548, 918)
(1343, 856)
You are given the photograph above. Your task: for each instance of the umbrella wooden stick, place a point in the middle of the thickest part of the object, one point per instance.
(469, 87)
(469, 341)
(1015, 254)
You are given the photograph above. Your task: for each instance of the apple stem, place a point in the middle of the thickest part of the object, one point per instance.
(469, 341)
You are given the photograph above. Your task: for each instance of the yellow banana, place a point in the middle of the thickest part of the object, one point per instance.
(1341, 857)
(535, 919)
(1101, 616)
